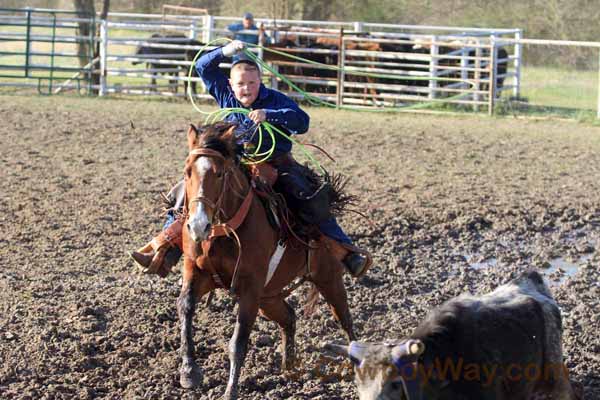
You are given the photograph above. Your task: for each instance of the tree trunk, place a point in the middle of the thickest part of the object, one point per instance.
(85, 9)
(105, 7)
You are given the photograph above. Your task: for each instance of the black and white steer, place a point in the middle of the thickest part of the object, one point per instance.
(504, 345)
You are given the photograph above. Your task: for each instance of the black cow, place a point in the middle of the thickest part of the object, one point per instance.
(169, 54)
(505, 345)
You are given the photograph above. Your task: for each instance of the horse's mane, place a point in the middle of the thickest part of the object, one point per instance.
(220, 137)
(217, 137)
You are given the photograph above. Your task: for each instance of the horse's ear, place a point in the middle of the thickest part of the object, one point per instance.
(192, 136)
(229, 133)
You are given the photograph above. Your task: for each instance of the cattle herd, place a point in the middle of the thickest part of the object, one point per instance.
(373, 70)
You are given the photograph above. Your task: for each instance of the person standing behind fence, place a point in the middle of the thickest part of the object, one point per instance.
(247, 24)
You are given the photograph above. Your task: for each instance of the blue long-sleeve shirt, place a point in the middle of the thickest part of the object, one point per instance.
(280, 110)
(244, 37)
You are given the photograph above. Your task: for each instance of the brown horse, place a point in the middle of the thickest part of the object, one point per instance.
(236, 254)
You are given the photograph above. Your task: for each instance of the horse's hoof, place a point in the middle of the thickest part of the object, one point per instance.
(288, 365)
(189, 377)
(189, 381)
(230, 395)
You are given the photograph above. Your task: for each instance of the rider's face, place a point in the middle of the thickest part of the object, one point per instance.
(247, 22)
(245, 84)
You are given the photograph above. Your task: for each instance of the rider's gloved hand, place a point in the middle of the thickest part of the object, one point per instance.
(233, 48)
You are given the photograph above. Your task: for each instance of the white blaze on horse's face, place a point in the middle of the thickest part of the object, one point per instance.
(199, 222)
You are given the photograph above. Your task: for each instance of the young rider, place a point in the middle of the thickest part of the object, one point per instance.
(244, 89)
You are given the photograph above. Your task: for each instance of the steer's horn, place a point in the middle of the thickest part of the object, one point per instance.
(358, 351)
(355, 350)
(340, 349)
(409, 348)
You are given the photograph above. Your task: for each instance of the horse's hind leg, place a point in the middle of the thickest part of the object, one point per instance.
(238, 345)
(279, 311)
(327, 277)
(195, 284)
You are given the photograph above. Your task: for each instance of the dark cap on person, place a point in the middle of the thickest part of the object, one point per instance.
(248, 16)
(243, 58)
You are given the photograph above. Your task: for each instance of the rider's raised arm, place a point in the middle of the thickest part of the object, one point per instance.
(214, 79)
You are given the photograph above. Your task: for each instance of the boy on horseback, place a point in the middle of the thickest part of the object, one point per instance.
(244, 89)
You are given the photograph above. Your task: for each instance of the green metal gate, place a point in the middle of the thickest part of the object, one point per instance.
(45, 49)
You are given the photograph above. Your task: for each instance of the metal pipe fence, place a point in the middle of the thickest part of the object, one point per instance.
(381, 65)
(41, 47)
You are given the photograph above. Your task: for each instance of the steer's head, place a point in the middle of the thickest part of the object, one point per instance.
(384, 371)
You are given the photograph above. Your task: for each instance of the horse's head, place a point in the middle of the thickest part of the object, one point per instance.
(209, 170)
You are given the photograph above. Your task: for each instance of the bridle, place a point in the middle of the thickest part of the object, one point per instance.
(215, 206)
(220, 229)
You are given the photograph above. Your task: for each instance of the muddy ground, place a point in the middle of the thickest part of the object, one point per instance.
(457, 204)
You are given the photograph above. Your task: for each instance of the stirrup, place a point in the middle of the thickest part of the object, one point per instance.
(356, 264)
(158, 248)
(149, 262)
(350, 261)
(342, 251)
(159, 263)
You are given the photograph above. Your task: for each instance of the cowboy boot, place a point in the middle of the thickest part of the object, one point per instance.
(162, 252)
(356, 261)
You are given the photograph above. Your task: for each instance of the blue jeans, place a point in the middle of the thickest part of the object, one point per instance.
(333, 230)
(292, 179)
(170, 219)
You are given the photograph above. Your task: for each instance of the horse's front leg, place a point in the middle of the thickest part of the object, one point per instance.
(195, 284)
(238, 346)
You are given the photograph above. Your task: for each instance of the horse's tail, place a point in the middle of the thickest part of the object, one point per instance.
(312, 298)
